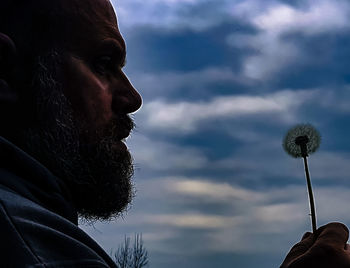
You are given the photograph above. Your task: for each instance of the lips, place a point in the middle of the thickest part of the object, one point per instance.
(123, 125)
(122, 134)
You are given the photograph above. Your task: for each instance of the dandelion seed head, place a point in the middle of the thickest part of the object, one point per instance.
(301, 133)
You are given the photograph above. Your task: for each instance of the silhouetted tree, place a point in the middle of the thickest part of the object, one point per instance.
(128, 256)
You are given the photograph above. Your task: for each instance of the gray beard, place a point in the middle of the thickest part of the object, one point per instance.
(98, 175)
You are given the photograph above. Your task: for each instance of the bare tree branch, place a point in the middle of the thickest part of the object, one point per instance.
(132, 257)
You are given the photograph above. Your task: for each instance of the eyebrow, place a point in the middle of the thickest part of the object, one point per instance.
(116, 37)
(115, 34)
(115, 45)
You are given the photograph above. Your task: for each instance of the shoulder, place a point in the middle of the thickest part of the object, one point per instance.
(38, 237)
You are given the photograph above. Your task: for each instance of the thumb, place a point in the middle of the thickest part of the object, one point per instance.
(333, 234)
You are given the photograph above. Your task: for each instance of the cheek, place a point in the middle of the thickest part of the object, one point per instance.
(89, 95)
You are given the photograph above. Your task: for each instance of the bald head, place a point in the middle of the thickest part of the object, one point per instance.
(37, 25)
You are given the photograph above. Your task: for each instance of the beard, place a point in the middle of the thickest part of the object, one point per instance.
(97, 173)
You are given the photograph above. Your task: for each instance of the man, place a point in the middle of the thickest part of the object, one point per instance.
(64, 106)
(64, 113)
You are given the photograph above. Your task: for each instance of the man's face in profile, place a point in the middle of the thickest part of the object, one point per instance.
(83, 99)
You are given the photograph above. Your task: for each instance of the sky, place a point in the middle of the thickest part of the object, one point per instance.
(222, 82)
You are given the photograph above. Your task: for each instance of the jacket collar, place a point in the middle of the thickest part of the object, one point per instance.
(24, 175)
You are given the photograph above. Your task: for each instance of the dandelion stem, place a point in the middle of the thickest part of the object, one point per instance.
(311, 197)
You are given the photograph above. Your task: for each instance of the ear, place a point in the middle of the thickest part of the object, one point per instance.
(7, 63)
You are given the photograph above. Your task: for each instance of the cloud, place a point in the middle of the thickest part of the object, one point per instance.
(272, 54)
(207, 189)
(273, 51)
(319, 17)
(169, 14)
(277, 214)
(196, 221)
(329, 166)
(169, 84)
(185, 116)
(336, 99)
(264, 217)
(272, 20)
(156, 155)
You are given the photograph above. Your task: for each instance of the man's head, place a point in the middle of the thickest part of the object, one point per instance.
(65, 99)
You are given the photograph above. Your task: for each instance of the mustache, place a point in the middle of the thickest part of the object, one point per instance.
(120, 126)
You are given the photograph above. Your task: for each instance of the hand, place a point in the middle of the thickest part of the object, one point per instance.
(326, 248)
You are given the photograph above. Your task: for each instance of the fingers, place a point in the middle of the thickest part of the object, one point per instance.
(325, 248)
(333, 234)
(299, 249)
(306, 235)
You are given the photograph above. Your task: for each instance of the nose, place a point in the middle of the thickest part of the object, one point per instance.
(126, 98)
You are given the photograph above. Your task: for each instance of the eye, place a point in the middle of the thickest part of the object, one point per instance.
(104, 64)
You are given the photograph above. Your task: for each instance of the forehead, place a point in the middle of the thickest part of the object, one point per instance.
(96, 8)
(90, 21)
